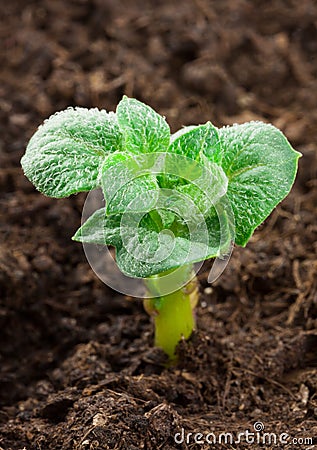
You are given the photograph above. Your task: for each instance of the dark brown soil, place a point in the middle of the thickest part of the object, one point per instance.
(78, 370)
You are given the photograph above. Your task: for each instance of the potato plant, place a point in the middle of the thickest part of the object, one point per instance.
(170, 200)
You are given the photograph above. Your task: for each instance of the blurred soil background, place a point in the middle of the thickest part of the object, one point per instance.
(77, 367)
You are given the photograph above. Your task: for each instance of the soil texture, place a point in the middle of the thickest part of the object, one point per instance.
(77, 367)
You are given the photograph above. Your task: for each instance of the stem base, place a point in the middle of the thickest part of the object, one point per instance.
(173, 314)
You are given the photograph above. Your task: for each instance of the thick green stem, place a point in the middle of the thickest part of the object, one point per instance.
(172, 312)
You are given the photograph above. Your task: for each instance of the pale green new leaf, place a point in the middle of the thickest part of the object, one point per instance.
(208, 187)
(196, 141)
(64, 156)
(143, 129)
(261, 167)
(124, 187)
(188, 150)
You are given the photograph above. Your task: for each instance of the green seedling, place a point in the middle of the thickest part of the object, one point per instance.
(170, 200)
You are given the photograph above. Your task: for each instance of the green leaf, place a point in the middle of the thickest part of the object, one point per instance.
(100, 229)
(261, 167)
(170, 201)
(196, 141)
(167, 217)
(207, 187)
(64, 156)
(150, 253)
(143, 129)
(124, 187)
(143, 249)
(190, 145)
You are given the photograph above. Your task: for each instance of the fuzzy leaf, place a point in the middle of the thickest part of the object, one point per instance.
(64, 156)
(207, 188)
(170, 201)
(144, 130)
(196, 141)
(99, 229)
(151, 253)
(190, 145)
(124, 187)
(142, 250)
(261, 167)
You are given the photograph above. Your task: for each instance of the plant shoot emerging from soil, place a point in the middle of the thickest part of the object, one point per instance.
(170, 200)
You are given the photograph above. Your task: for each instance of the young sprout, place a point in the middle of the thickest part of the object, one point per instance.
(170, 201)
